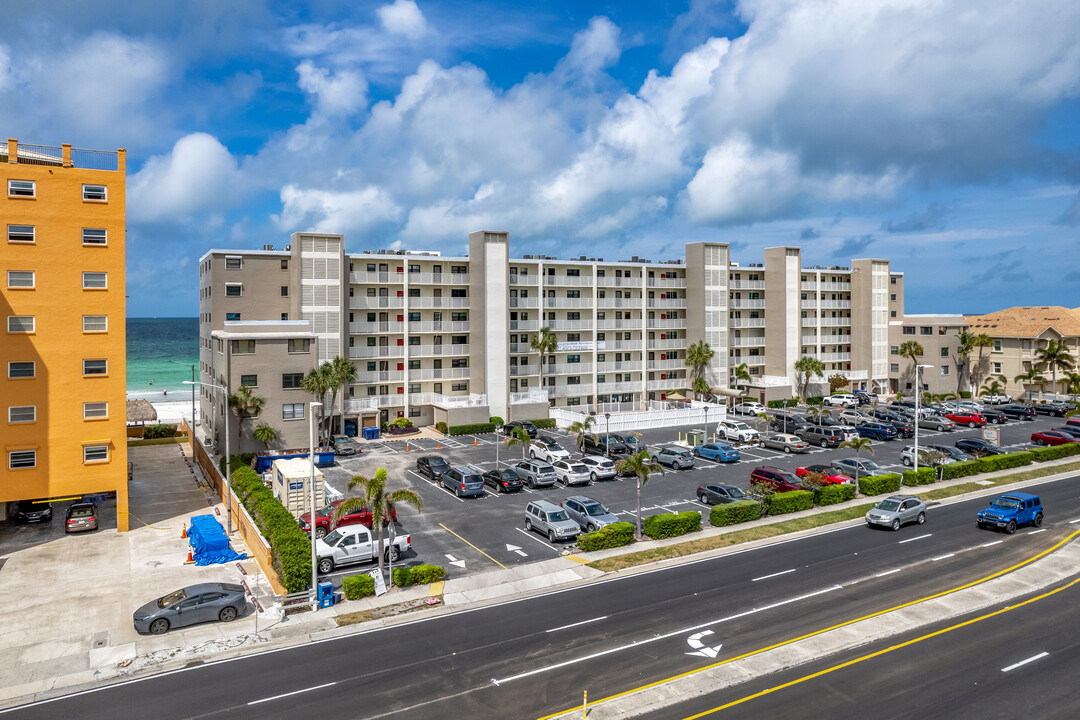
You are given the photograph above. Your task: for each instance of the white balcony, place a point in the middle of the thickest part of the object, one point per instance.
(809, 305)
(626, 345)
(438, 350)
(568, 302)
(835, 304)
(520, 370)
(570, 324)
(451, 373)
(610, 388)
(568, 369)
(524, 302)
(659, 324)
(377, 351)
(432, 326)
(373, 328)
(524, 279)
(809, 339)
(749, 359)
(524, 325)
(448, 401)
(809, 322)
(614, 302)
(375, 303)
(376, 278)
(533, 395)
(836, 339)
(679, 343)
(741, 304)
(834, 357)
(673, 364)
(608, 281)
(661, 303)
(835, 322)
(747, 285)
(424, 303)
(438, 278)
(568, 280)
(624, 324)
(852, 374)
(379, 376)
(747, 341)
(747, 322)
(521, 348)
(580, 389)
(668, 384)
(667, 282)
(374, 402)
(838, 286)
(625, 366)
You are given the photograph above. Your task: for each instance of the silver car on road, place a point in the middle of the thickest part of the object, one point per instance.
(897, 510)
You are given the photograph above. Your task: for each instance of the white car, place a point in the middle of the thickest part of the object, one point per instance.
(570, 472)
(748, 408)
(841, 400)
(853, 417)
(927, 457)
(547, 450)
(996, 399)
(600, 468)
(737, 431)
(850, 433)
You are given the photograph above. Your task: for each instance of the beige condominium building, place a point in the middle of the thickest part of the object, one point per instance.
(939, 337)
(442, 338)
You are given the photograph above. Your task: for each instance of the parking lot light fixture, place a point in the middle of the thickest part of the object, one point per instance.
(918, 389)
(311, 493)
(706, 431)
(607, 434)
(228, 463)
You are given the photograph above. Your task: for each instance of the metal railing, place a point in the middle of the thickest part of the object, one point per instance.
(667, 302)
(377, 278)
(423, 303)
(568, 302)
(618, 282)
(40, 155)
(669, 323)
(524, 279)
(368, 328)
(568, 280)
(747, 322)
(534, 395)
(372, 303)
(667, 282)
(95, 159)
(437, 350)
(451, 373)
(438, 278)
(527, 302)
(740, 304)
(380, 376)
(570, 324)
(750, 284)
(373, 351)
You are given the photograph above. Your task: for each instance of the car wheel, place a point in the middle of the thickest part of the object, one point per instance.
(655, 460)
(320, 532)
(703, 498)
(906, 461)
(787, 449)
(941, 428)
(972, 424)
(1039, 441)
(896, 524)
(1038, 520)
(592, 477)
(1011, 527)
(592, 528)
(528, 524)
(159, 626)
(393, 553)
(326, 566)
(922, 518)
(227, 614)
(551, 536)
(531, 484)
(676, 465)
(824, 443)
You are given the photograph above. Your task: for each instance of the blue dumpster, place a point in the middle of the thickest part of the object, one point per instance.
(371, 433)
(326, 594)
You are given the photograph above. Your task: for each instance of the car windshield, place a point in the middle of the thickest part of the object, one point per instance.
(171, 599)
(869, 465)
(734, 492)
(333, 538)
(596, 510)
(557, 516)
(325, 510)
(888, 505)
(508, 475)
(1006, 503)
(438, 463)
(789, 478)
(740, 426)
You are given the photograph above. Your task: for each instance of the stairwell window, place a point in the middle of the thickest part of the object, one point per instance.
(22, 188)
(95, 193)
(292, 411)
(95, 236)
(22, 459)
(95, 453)
(95, 367)
(20, 233)
(22, 414)
(95, 281)
(95, 410)
(21, 323)
(234, 290)
(95, 323)
(20, 279)
(21, 370)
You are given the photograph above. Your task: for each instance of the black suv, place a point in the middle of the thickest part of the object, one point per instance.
(978, 447)
(994, 417)
(432, 466)
(787, 422)
(605, 445)
(1052, 409)
(508, 428)
(1019, 412)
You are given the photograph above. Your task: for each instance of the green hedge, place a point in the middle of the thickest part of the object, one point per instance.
(441, 427)
(789, 502)
(879, 484)
(544, 423)
(835, 493)
(1042, 454)
(236, 461)
(667, 525)
(922, 476)
(496, 420)
(358, 586)
(474, 429)
(609, 536)
(960, 469)
(151, 432)
(815, 400)
(290, 547)
(790, 402)
(418, 575)
(734, 513)
(990, 463)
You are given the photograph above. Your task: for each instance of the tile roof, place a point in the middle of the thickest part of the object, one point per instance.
(1027, 322)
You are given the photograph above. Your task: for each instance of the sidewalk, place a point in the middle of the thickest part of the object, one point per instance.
(55, 647)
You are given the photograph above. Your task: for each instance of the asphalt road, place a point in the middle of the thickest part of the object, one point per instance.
(468, 535)
(535, 656)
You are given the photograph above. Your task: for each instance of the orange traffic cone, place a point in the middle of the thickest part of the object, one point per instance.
(474, 442)
(406, 447)
(438, 446)
(184, 533)
(190, 560)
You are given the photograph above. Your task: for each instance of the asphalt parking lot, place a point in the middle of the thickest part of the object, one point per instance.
(468, 535)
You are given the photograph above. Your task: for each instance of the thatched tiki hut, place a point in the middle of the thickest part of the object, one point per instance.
(140, 412)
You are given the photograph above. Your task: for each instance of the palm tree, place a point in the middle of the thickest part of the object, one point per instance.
(642, 466)
(317, 382)
(965, 344)
(581, 429)
(698, 357)
(806, 368)
(246, 403)
(544, 343)
(912, 350)
(342, 372)
(1072, 383)
(980, 341)
(858, 445)
(373, 495)
(265, 434)
(742, 375)
(520, 437)
(994, 386)
(817, 412)
(1056, 357)
(1031, 377)
(761, 419)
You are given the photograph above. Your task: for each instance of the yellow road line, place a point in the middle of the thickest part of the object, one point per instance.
(474, 547)
(999, 573)
(436, 588)
(153, 527)
(872, 655)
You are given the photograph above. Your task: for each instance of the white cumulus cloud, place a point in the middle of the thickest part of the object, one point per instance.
(340, 93)
(198, 174)
(403, 17)
(337, 212)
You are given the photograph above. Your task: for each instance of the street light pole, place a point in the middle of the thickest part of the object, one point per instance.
(177, 362)
(706, 409)
(228, 460)
(311, 494)
(918, 393)
(607, 434)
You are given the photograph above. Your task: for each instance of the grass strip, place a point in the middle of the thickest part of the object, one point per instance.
(1035, 471)
(360, 616)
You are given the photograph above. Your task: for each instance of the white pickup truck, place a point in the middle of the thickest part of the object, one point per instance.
(355, 544)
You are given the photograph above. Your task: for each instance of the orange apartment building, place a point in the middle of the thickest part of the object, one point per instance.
(63, 306)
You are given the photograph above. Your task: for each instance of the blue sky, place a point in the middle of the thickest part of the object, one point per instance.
(942, 135)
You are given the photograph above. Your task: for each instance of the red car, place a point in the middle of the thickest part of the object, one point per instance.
(1052, 437)
(831, 476)
(324, 514)
(779, 480)
(969, 419)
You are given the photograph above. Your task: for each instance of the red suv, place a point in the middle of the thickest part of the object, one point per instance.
(779, 480)
(323, 515)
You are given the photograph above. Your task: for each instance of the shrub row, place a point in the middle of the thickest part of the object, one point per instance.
(358, 586)
(290, 547)
(922, 476)
(236, 461)
(151, 432)
(418, 575)
(544, 423)
(789, 502)
(959, 470)
(441, 427)
(667, 525)
(991, 463)
(734, 513)
(816, 400)
(832, 494)
(879, 484)
(790, 402)
(473, 429)
(1053, 453)
(609, 536)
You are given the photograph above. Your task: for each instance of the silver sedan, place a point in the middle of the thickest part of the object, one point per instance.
(194, 604)
(937, 422)
(787, 443)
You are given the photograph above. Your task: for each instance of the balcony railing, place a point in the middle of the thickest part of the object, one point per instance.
(747, 285)
(568, 280)
(438, 278)
(375, 351)
(568, 369)
(747, 341)
(809, 322)
(809, 304)
(842, 286)
(568, 302)
(526, 302)
(521, 348)
(524, 325)
(617, 387)
(520, 370)
(524, 279)
(374, 303)
(668, 384)
(376, 278)
(625, 366)
(808, 285)
(448, 401)
(836, 339)
(664, 344)
(379, 376)
(433, 326)
(613, 302)
(747, 322)
(835, 304)
(606, 282)
(834, 357)
(423, 303)
(533, 395)
(570, 324)
(740, 304)
(372, 328)
(450, 373)
(658, 323)
(570, 390)
(624, 324)
(621, 345)
(836, 322)
(374, 402)
(748, 359)
(438, 350)
(667, 282)
(674, 364)
(661, 303)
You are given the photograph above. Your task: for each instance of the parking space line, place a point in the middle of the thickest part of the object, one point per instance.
(943, 557)
(526, 533)
(888, 572)
(472, 546)
(440, 485)
(776, 574)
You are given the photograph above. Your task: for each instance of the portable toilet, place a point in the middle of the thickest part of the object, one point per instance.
(291, 477)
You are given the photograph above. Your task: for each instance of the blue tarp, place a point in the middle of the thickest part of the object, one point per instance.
(209, 543)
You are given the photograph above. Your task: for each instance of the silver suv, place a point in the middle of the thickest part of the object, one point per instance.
(536, 473)
(549, 519)
(897, 510)
(589, 514)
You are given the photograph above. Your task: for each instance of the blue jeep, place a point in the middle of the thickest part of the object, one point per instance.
(1009, 511)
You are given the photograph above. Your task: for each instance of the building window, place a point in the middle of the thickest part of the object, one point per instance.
(21, 188)
(944, 369)
(909, 330)
(944, 352)
(459, 387)
(95, 323)
(95, 410)
(20, 233)
(284, 291)
(415, 412)
(573, 316)
(20, 370)
(573, 380)
(892, 313)
(292, 411)
(573, 401)
(414, 387)
(575, 337)
(291, 381)
(459, 316)
(243, 347)
(894, 367)
(95, 280)
(20, 323)
(573, 358)
(95, 193)
(892, 297)
(414, 365)
(249, 380)
(95, 236)
(234, 290)
(997, 368)
(414, 317)
(95, 367)
(95, 453)
(22, 414)
(285, 316)
(926, 330)
(20, 278)
(284, 263)
(573, 272)
(892, 281)
(573, 293)
(234, 263)
(22, 459)
(231, 317)
(303, 346)
(997, 346)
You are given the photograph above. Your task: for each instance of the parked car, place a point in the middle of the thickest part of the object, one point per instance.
(823, 435)
(1073, 422)
(464, 481)
(589, 514)
(994, 416)
(897, 510)
(355, 544)
(928, 456)
(857, 467)
(719, 494)
(737, 431)
(571, 472)
(1071, 430)
(877, 431)
(325, 514)
(788, 422)
(951, 451)
(1018, 412)
(841, 400)
(549, 519)
(544, 448)
(748, 408)
(903, 428)
(1011, 510)
(865, 397)
(600, 468)
(779, 480)
(81, 516)
(605, 445)
(826, 471)
(508, 428)
(633, 444)
(720, 452)
(32, 511)
(853, 417)
(204, 602)
(937, 422)
(432, 466)
(787, 443)
(345, 445)
(1052, 437)
(674, 456)
(978, 447)
(536, 473)
(965, 418)
(1052, 409)
(997, 399)
(503, 480)
(849, 431)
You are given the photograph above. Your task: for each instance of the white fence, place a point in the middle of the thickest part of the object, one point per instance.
(698, 414)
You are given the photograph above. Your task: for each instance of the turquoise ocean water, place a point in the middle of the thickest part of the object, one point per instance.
(151, 344)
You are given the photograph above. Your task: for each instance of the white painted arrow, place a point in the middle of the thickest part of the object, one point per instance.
(515, 548)
(694, 641)
(454, 561)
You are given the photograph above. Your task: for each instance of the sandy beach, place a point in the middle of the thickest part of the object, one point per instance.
(168, 410)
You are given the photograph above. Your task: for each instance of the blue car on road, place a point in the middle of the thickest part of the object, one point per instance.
(720, 452)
